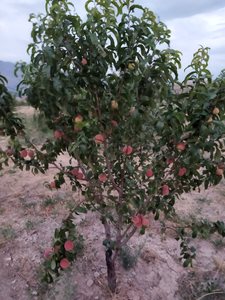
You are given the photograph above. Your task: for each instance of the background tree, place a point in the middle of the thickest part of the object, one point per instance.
(106, 86)
(10, 124)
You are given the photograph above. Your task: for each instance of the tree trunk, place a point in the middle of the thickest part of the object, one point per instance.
(111, 271)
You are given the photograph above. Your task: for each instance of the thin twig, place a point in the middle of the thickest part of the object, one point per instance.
(209, 294)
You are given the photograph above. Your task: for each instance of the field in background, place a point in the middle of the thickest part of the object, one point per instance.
(148, 269)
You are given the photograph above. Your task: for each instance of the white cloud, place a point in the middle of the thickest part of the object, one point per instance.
(202, 29)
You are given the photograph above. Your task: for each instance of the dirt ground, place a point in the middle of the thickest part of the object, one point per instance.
(29, 213)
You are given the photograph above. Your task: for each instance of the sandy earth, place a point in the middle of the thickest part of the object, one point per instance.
(27, 225)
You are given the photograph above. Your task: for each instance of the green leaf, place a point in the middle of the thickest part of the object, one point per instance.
(53, 265)
(81, 209)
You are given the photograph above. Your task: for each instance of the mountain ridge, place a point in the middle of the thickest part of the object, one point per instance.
(7, 70)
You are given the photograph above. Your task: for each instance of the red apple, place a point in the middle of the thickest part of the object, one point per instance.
(84, 61)
(182, 171)
(78, 119)
(80, 175)
(114, 123)
(53, 185)
(149, 173)
(181, 146)
(216, 111)
(137, 220)
(99, 138)
(77, 173)
(140, 220)
(69, 245)
(102, 177)
(114, 104)
(74, 171)
(9, 152)
(127, 150)
(145, 221)
(58, 134)
(23, 153)
(219, 172)
(64, 263)
(30, 153)
(48, 252)
(170, 161)
(165, 190)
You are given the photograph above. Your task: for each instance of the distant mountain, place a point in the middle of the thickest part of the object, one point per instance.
(7, 70)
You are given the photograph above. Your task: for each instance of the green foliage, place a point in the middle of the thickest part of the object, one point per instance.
(9, 123)
(53, 256)
(7, 232)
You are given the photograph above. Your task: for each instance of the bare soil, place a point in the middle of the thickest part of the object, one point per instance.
(29, 214)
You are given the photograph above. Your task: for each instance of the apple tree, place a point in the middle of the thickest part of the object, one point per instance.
(137, 137)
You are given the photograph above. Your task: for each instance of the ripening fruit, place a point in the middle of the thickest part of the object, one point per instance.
(114, 123)
(102, 177)
(131, 66)
(77, 173)
(30, 153)
(182, 171)
(69, 245)
(99, 138)
(216, 111)
(139, 221)
(9, 152)
(149, 173)
(165, 190)
(64, 263)
(23, 153)
(53, 185)
(48, 252)
(219, 172)
(170, 161)
(181, 146)
(114, 104)
(84, 61)
(145, 221)
(58, 134)
(80, 175)
(127, 150)
(74, 171)
(78, 119)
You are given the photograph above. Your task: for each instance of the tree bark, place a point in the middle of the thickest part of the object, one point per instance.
(111, 271)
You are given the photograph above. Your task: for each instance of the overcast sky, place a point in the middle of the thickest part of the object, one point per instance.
(193, 23)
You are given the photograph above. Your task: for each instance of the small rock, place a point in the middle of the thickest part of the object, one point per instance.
(103, 270)
(8, 258)
(96, 298)
(90, 282)
(96, 274)
(34, 293)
